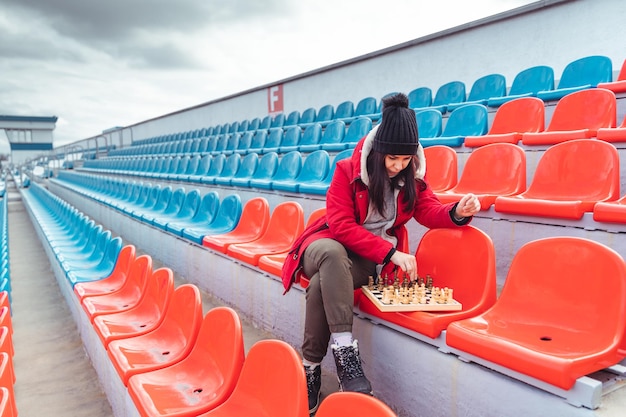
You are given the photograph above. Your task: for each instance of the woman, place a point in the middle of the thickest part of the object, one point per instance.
(371, 197)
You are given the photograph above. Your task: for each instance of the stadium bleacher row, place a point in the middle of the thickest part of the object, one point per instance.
(227, 157)
(8, 405)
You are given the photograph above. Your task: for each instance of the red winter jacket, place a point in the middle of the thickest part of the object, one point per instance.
(347, 203)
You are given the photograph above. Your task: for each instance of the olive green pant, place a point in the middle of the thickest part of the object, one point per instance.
(334, 274)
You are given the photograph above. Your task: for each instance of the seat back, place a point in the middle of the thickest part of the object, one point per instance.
(468, 120)
(308, 116)
(365, 106)
(164, 198)
(252, 224)
(266, 123)
(272, 382)
(472, 275)
(176, 202)
(495, 169)
(535, 289)
(582, 169)
(231, 165)
(268, 164)
(585, 109)
(228, 214)
(358, 128)
(192, 164)
(524, 114)
(274, 139)
(248, 165)
(311, 135)
(208, 208)
(289, 166)
(487, 86)
(278, 121)
(244, 142)
(292, 119)
(344, 109)
(420, 97)
(451, 92)
(190, 205)
(589, 70)
(285, 225)
(291, 137)
(315, 167)
(258, 140)
(222, 141)
(203, 166)
(217, 165)
(334, 132)
(325, 113)
(158, 292)
(353, 404)
(441, 167)
(429, 123)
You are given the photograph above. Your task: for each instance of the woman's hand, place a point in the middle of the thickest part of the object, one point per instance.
(406, 262)
(468, 206)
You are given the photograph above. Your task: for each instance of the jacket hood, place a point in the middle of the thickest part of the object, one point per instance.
(368, 143)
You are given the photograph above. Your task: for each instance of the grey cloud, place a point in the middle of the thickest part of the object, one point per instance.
(119, 27)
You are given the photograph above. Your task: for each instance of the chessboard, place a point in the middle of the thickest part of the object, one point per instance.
(413, 297)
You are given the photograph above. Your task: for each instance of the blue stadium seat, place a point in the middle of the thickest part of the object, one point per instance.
(217, 165)
(321, 187)
(344, 110)
(308, 116)
(203, 169)
(468, 120)
(247, 167)
(224, 221)
(314, 168)
(273, 141)
(365, 107)
(172, 207)
(187, 210)
(292, 119)
(310, 137)
(254, 124)
(581, 74)
(258, 141)
(429, 123)
(450, 92)
(232, 144)
(333, 133)
(102, 269)
(420, 97)
(527, 83)
(291, 139)
(356, 131)
(267, 167)
(159, 205)
(244, 142)
(205, 214)
(231, 166)
(488, 86)
(288, 168)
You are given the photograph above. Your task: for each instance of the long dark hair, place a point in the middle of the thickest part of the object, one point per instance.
(378, 178)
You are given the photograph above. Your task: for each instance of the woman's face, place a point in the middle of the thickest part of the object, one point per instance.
(396, 163)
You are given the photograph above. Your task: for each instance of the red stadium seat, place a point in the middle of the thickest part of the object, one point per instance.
(496, 169)
(561, 314)
(145, 316)
(273, 263)
(353, 404)
(578, 115)
(272, 383)
(286, 224)
(166, 345)
(441, 167)
(472, 276)
(619, 85)
(570, 178)
(201, 381)
(252, 224)
(114, 281)
(127, 296)
(511, 121)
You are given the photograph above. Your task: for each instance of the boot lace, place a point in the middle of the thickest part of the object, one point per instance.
(350, 364)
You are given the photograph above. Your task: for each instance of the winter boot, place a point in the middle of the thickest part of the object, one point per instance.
(349, 370)
(313, 384)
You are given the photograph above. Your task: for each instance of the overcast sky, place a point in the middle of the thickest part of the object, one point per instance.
(98, 64)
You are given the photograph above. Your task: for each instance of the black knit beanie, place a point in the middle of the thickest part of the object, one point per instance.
(397, 132)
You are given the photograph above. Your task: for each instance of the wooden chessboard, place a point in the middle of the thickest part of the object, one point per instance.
(376, 296)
